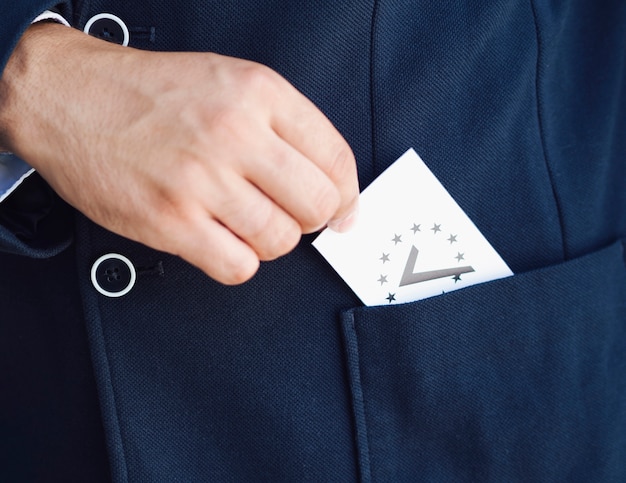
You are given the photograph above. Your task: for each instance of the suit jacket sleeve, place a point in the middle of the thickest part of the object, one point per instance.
(33, 220)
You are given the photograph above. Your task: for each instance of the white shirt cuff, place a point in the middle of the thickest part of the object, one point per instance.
(48, 15)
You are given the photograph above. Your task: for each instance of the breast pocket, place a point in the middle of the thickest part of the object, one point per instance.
(520, 379)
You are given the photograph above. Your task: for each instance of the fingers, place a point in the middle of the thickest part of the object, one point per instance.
(256, 219)
(225, 228)
(302, 125)
(216, 251)
(300, 187)
(294, 176)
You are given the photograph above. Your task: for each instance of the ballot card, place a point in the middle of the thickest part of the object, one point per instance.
(411, 240)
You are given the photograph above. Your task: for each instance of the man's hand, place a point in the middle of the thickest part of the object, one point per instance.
(216, 159)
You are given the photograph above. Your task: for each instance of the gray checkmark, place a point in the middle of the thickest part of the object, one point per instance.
(409, 277)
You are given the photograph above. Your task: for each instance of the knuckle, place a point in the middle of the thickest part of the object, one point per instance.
(271, 235)
(239, 271)
(188, 170)
(176, 189)
(232, 265)
(262, 227)
(226, 122)
(324, 204)
(342, 165)
(258, 78)
(281, 160)
(258, 220)
(283, 241)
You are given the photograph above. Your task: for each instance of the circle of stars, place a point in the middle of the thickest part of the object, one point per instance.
(397, 238)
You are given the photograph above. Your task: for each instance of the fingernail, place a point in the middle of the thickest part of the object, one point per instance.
(344, 224)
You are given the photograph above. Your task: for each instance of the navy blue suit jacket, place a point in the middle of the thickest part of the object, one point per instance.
(518, 107)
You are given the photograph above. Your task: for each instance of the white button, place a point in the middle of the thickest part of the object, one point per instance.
(109, 27)
(113, 275)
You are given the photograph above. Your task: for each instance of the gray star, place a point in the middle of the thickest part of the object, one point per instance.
(459, 256)
(416, 228)
(452, 239)
(456, 278)
(382, 279)
(397, 239)
(391, 297)
(385, 257)
(436, 228)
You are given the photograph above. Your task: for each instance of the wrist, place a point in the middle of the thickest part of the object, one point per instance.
(29, 81)
(46, 16)
(43, 95)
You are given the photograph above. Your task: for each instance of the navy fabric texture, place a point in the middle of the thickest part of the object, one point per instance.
(34, 221)
(518, 107)
(583, 107)
(50, 424)
(492, 387)
(459, 85)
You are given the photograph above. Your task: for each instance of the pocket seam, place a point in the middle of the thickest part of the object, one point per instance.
(358, 402)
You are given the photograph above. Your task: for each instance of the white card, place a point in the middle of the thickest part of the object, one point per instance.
(411, 240)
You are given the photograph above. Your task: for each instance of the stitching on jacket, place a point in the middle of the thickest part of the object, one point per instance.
(102, 369)
(542, 135)
(351, 344)
(375, 9)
